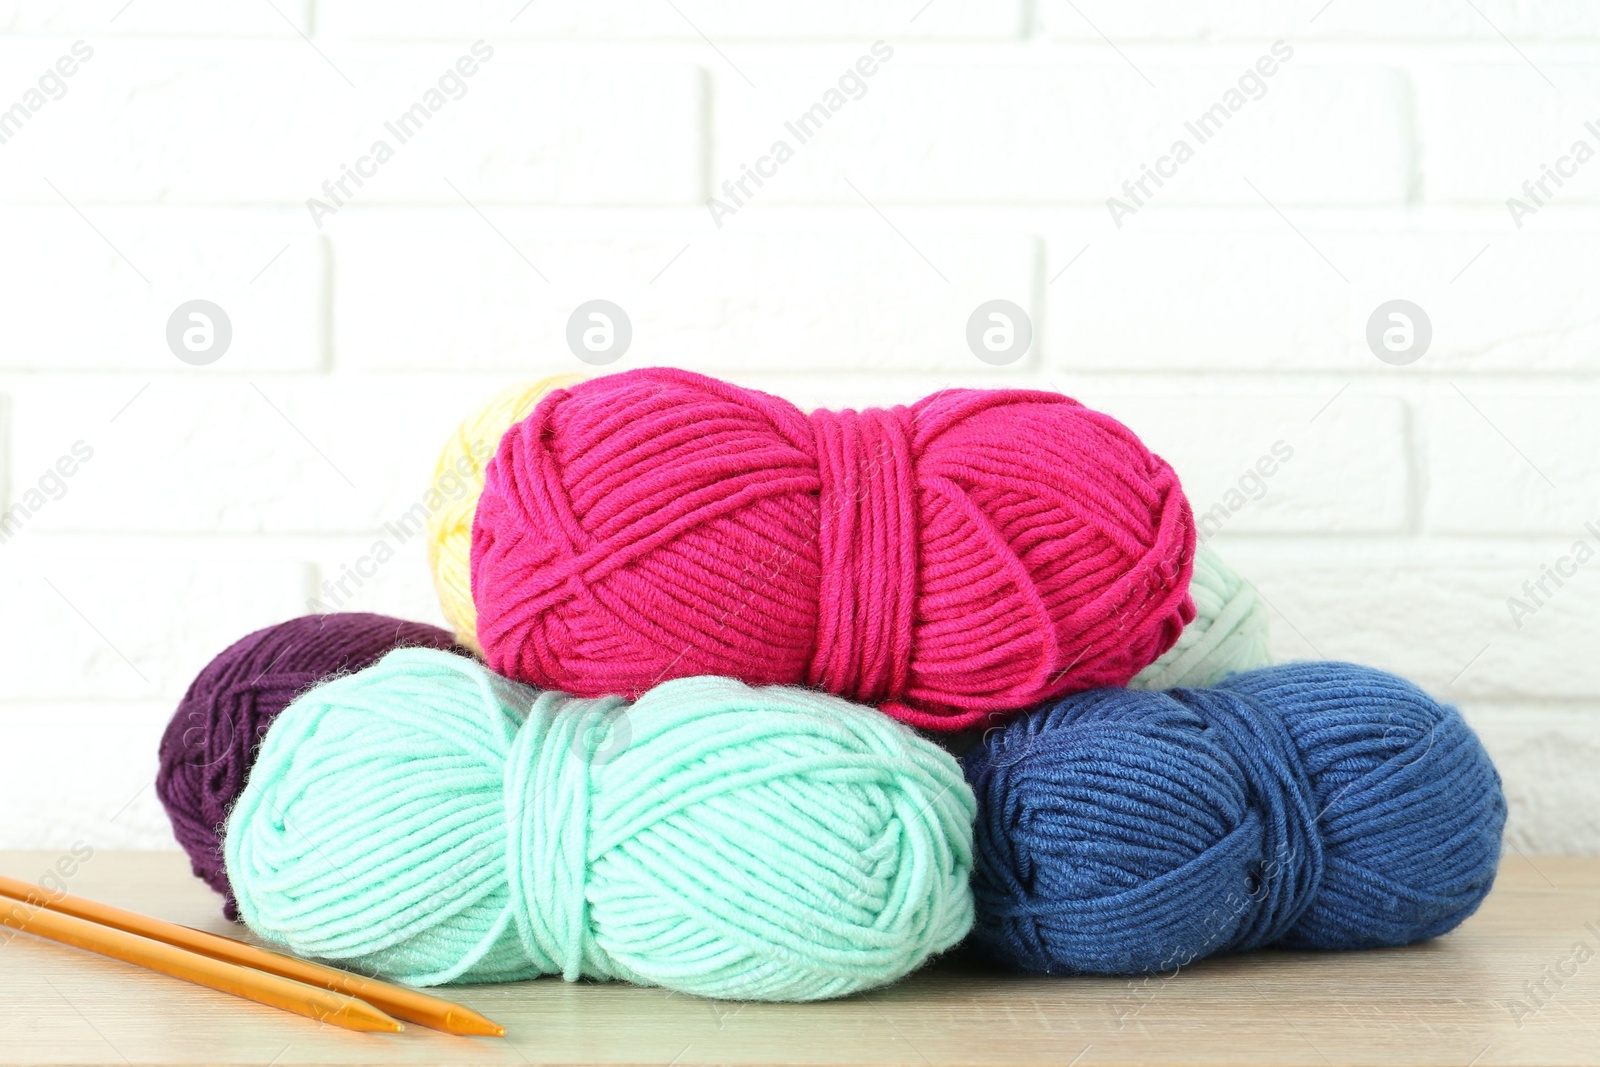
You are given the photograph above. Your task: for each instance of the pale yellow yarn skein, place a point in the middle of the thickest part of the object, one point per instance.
(466, 456)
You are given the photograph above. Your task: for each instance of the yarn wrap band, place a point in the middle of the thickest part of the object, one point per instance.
(868, 553)
(1283, 816)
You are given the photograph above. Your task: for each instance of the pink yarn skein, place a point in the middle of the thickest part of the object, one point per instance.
(953, 561)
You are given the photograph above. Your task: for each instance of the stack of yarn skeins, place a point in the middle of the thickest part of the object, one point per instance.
(684, 732)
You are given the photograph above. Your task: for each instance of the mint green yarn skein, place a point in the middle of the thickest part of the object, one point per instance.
(1228, 633)
(432, 822)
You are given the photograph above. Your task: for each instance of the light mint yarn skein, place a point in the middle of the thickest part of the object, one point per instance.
(432, 822)
(1228, 633)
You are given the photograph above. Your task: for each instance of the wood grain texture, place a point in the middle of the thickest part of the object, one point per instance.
(1510, 987)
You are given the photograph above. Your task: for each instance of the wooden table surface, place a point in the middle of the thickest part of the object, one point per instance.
(1516, 984)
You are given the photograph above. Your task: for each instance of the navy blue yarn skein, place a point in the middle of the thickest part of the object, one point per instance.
(1308, 805)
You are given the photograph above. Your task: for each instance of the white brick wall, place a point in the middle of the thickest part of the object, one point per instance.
(74, 302)
(631, 20)
(1343, 20)
(746, 299)
(1224, 317)
(1069, 125)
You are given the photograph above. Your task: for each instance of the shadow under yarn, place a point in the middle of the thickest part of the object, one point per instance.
(1309, 805)
(209, 746)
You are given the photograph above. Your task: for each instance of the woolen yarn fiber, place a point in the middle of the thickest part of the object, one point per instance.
(209, 746)
(430, 821)
(1229, 632)
(969, 555)
(1308, 805)
(465, 455)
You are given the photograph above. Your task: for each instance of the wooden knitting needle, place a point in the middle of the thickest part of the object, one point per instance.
(269, 989)
(407, 1004)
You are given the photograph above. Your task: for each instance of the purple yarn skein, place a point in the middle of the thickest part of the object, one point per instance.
(211, 742)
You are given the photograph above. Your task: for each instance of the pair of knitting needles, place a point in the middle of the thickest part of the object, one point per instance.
(221, 963)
